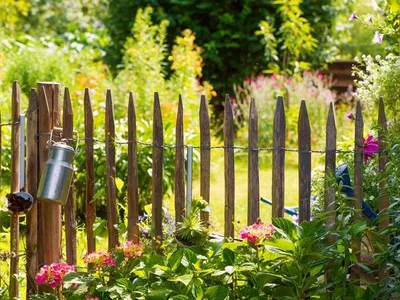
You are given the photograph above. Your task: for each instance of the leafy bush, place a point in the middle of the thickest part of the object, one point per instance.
(31, 65)
(380, 77)
(284, 261)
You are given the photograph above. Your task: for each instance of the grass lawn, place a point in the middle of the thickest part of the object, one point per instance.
(217, 188)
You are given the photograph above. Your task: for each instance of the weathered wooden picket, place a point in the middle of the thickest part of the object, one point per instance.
(43, 239)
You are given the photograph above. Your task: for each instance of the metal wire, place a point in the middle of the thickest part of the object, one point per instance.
(27, 112)
(173, 146)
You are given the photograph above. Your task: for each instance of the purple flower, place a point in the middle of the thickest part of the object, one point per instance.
(368, 18)
(351, 116)
(378, 37)
(353, 16)
(370, 147)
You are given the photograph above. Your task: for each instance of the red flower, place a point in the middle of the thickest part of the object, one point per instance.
(257, 232)
(370, 147)
(53, 274)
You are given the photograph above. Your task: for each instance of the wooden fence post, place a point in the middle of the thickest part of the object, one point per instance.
(89, 163)
(278, 160)
(15, 187)
(383, 193)
(49, 247)
(32, 171)
(112, 214)
(330, 167)
(304, 142)
(358, 182)
(133, 188)
(205, 155)
(229, 169)
(253, 181)
(157, 174)
(69, 209)
(179, 165)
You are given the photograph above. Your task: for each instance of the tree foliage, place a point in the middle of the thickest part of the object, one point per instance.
(226, 31)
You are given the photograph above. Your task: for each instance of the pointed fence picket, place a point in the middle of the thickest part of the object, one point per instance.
(44, 219)
(133, 185)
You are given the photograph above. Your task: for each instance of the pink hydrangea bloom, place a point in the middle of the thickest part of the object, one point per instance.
(132, 250)
(370, 147)
(99, 259)
(256, 232)
(53, 274)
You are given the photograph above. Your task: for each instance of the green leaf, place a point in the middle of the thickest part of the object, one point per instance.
(160, 294)
(185, 279)
(284, 293)
(286, 228)
(229, 256)
(217, 293)
(176, 259)
(179, 297)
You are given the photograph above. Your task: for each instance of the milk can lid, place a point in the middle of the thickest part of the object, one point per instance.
(63, 146)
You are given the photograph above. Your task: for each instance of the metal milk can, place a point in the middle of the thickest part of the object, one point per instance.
(57, 174)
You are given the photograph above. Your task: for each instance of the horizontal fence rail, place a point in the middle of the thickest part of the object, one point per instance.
(44, 220)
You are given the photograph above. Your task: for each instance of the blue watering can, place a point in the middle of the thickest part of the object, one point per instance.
(342, 176)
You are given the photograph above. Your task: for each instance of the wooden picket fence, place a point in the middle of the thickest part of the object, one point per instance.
(43, 240)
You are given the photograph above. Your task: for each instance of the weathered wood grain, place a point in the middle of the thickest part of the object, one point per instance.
(32, 170)
(278, 160)
(358, 183)
(304, 146)
(253, 182)
(133, 187)
(179, 165)
(229, 169)
(330, 166)
(205, 155)
(157, 174)
(112, 213)
(15, 187)
(69, 209)
(90, 209)
(49, 214)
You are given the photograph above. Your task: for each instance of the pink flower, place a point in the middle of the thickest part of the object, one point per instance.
(370, 147)
(132, 250)
(351, 116)
(53, 274)
(99, 259)
(257, 232)
(353, 16)
(92, 298)
(378, 37)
